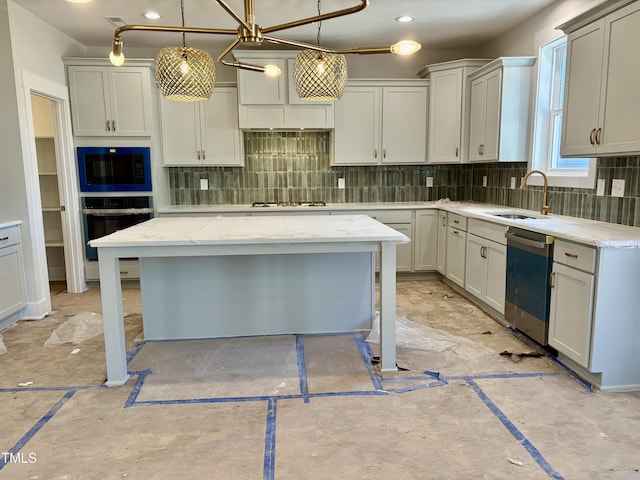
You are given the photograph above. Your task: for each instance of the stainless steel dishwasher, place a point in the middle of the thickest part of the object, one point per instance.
(528, 290)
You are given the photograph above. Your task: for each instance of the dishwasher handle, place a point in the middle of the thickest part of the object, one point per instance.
(518, 240)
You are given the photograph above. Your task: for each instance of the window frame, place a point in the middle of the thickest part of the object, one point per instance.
(541, 143)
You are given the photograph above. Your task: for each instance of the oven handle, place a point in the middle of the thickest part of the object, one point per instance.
(114, 212)
(515, 239)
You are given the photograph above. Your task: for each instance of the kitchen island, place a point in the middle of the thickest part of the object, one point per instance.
(207, 277)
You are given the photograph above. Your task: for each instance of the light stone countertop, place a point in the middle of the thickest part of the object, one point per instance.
(589, 232)
(10, 224)
(180, 231)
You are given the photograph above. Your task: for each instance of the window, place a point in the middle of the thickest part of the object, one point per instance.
(562, 172)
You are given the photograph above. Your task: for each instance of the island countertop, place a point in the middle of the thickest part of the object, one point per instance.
(174, 231)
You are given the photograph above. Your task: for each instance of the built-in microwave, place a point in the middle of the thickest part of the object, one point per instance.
(114, 169)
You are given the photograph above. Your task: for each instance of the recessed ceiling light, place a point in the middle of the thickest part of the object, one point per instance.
(152, 15)
(405, 19)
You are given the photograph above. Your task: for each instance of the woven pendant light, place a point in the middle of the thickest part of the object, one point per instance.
(319, 76)
(185, 74)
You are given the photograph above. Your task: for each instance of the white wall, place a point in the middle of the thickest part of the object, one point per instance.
(524, 39)
(35, 48)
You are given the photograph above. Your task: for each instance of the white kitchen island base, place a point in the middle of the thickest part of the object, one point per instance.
(227, 276)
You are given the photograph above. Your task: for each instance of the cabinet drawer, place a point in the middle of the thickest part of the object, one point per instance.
(9, 236)
(488, 230)
(575, 255)
(383, 216)
(458, 221)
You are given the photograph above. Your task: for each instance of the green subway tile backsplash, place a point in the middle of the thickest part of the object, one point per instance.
(295, 166)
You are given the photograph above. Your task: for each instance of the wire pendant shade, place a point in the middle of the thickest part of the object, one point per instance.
(185, 74)
(319, 76)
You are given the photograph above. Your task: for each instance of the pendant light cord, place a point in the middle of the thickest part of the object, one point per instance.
(184, 40)
(319, 25)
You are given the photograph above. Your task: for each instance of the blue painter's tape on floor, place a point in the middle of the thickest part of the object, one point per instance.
(302, 368)
(269, 469)
(142, 376)
(367, 355)
(134, 351)
(439, 382)
(533, 451)
(36, 428)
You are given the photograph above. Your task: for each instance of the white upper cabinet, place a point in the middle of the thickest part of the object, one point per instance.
(272, 102)
(381, 122)
(601, 97)
(110, 101)
(449, 109)
(499, 117)
(202, 133)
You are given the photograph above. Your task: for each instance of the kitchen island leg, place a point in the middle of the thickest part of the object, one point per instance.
(388, 307)
(114, 343)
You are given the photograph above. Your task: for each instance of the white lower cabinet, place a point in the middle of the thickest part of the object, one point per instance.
(441, 255)
(486, 270)
(426, 240)
(12, 280)
(572, 295)
(456, 248)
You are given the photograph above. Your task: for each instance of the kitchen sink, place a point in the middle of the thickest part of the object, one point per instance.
(515, 216)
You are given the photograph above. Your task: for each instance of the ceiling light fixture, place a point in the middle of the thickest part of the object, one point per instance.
(405, 19)
(319, 76)
(249, 32)
(185, 74)
(152, 15)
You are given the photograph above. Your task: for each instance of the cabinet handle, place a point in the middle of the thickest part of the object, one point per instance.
(204, 156)
(457, 151)
(198, 154)
(444, 221)
(571, 255)
(479, 150)
(456, 221)
(108, 126)
(124, 273)
(598, 132)
(375, 153)
(551, 278)
(3, 239)
(592, 140)
(456, 232)
(384, 153)
(113, 125)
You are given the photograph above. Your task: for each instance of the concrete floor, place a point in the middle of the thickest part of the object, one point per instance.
(311, 407)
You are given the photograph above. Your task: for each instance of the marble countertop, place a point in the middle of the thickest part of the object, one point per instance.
(589, 232)
(177, 231)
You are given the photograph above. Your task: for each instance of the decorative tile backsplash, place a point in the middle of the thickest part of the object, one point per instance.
(296, 166)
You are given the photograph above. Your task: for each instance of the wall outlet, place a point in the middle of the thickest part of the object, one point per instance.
(204, 184)
(513, 183)
(617, 187)
(484, 181)
(341, 182)
(429, 181)
(600, 187)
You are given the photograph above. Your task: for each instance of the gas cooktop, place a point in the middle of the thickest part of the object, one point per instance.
(288, 204)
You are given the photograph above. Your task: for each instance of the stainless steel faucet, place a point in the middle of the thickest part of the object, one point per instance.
(545, 207)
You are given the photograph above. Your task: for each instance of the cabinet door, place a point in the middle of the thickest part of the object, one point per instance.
(477, 118)
(90, 102)
(426, 240)
(255, 88)
(180, 132)
(221, 138)
(130, 92)
(621, 77)
(357, 127)
(496, 275)
(403, 250)
(456, 244)
(404, 125)
(571, 312)
(441, 262)
(476, 266)
(445, 112)
(493, 103)
(12, 293)
(582, 90)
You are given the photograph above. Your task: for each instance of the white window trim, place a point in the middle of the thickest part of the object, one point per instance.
(556, 178)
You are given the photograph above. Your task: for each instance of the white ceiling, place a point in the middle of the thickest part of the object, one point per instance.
(438, 23)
